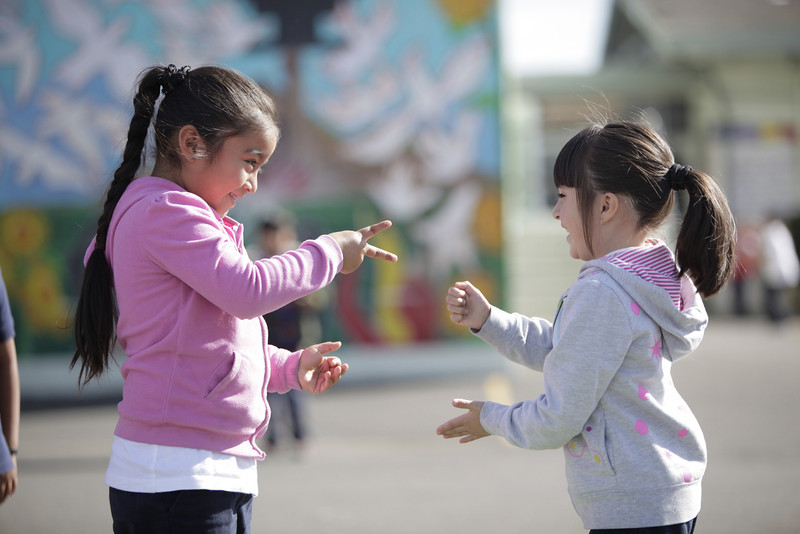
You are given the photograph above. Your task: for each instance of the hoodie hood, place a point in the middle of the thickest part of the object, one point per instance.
(139, 189)
(650, 276)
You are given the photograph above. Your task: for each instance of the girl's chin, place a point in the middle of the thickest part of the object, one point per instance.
(222, 211)
(574, 252)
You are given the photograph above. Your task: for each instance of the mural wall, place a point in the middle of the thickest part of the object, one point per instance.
(388, 110)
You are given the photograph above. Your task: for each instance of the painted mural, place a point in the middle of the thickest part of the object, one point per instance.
(388, 110)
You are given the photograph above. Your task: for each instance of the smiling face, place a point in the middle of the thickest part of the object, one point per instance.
(231, 173)
(566, 210)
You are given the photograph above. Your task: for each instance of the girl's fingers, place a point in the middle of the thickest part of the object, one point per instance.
(372, 251)
(328, 346)
(335, 374)
(445, 429)
(379, 253)
(371, 230)
(454, 303)
(456, 292)
(463, 286)
(462, 403)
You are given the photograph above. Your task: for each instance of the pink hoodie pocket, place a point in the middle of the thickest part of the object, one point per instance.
(223, 376)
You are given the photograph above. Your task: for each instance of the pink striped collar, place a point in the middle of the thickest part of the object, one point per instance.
(652, 262)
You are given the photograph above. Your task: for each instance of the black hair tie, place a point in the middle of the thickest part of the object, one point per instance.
(676, 176)
(172, 77)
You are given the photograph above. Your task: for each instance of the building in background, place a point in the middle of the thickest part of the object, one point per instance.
(719, 78)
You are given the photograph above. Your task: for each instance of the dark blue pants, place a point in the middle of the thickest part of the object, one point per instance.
(178, 512)
(681, 528)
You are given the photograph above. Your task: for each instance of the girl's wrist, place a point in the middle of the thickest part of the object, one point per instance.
(485, 320)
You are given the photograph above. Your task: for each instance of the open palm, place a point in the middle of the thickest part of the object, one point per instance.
(316, 372)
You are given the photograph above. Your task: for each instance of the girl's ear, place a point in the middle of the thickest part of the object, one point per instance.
(190, 144)
(609, 205)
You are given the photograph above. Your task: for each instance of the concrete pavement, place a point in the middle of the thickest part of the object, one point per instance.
(373, 464)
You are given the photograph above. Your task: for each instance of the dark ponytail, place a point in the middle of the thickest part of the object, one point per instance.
(96, 313)
(705, 246)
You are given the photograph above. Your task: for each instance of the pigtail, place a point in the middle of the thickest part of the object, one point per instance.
(96, 313)
(705, 246)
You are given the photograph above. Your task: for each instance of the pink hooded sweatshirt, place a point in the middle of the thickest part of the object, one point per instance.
(190, 304)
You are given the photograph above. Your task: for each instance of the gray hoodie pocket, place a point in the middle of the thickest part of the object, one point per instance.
(588, 451)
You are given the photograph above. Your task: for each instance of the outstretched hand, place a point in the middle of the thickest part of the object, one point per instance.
(8, 482)
(355, 247)
(316, 372)
(467, 426)
(467, 306)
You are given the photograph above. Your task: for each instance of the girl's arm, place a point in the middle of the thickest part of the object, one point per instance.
(182, 235)
(284, 365)
(595, 336)
(521, 339)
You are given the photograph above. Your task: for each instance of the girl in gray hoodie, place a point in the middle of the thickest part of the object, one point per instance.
(635, 454)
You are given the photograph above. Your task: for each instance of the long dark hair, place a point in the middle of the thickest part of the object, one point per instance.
(219, 103)
(631, 159)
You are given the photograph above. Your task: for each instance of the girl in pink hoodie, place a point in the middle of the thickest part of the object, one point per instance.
(167, 276)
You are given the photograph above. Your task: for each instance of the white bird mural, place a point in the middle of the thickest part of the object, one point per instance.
(89, 130)
(199, 36)
(447, 234)
(430, 95)
(355, 106)
(399, 193)
(33, 159)
(364, 40)
(385, 141)
(449, 154)
(101, 47)
(20, 51)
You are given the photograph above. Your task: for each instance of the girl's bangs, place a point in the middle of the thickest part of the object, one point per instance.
(569, 164)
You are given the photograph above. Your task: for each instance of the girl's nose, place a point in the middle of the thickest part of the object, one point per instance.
(250, 186)
(555, 212)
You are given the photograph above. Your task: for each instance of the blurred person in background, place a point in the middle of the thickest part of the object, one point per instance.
(780, 268)
(289, 327)
(748, 258)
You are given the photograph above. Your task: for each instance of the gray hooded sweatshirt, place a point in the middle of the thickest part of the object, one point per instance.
(635, 454)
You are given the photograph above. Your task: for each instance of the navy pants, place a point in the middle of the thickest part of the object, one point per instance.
(179, 512)
(681, 528)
